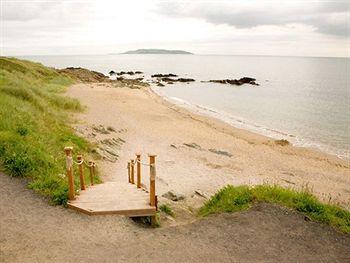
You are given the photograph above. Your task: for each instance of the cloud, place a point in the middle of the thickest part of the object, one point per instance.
(326, 17)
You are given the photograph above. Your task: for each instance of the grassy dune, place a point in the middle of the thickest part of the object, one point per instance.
(231, 199)
(33, 126)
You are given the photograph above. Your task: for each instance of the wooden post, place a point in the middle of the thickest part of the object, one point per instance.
(138, 170)
(94, 169)
(132, 172)
(81, 172)
(152, 185)
(129, 179)
(69, 162)
(91, 173)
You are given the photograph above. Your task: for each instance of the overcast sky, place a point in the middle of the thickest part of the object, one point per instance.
(246, 27)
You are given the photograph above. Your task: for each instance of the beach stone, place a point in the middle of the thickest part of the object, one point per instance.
(171, 195)
(200, 193)
(193, 145)
(100, 129)
(282, 142)
(220, 152)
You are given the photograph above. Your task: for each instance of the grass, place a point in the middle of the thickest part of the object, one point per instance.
(231, 199)
(167, 209)
(34, 126)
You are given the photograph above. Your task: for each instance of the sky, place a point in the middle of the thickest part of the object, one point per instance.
(246, 27)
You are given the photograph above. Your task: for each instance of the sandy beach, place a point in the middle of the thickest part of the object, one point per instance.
(197, 152)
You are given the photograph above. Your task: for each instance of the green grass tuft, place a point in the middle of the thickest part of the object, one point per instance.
(167, 209)
(33, 126)
(231, 199)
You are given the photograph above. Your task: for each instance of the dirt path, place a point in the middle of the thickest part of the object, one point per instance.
(33, 231)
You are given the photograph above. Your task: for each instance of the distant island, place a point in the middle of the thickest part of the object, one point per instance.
(158, 51)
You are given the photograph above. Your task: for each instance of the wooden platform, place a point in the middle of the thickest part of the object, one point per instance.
(113, 198)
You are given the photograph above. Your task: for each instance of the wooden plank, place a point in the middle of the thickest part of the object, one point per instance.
(113, 198)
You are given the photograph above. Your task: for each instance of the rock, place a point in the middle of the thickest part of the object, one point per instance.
(112, 72)
(139, 79)
(110, 128)
(282, 142)
(200, 193)
(138, 72)
(121, 73)
(173, 146)
(130, 73)
(167, 79)
(84, 75)
(163, 75)
(221, 152)
(171, 195)
(160, 84)
(100, 129)
(120, 78)
(185, 80)
(193, 145)
(238, 82)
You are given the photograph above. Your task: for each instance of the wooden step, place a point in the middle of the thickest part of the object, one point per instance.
(113, 198)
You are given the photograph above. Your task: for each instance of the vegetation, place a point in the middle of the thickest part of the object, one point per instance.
(33, 126)
(167, 209)
(231, 199)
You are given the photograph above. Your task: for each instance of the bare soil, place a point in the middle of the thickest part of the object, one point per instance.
(33, 231)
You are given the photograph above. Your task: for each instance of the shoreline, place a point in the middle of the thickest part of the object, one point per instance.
(202, 152)
(253, 133)
(235, 122)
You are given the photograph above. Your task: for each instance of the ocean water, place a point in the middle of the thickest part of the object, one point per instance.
(304, 100)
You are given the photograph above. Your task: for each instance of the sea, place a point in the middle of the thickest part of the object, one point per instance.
(305, 100)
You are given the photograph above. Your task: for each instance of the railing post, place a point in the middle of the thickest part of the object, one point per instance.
(129, 179)
(152, 186)
(69, 163)
(138, 170)
(91, 173)
(93, 170)
(132, 171)
(152, 183)
(81, 171)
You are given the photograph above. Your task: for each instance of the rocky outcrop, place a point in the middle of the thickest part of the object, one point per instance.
(128, 73)
(84, 75)
(172, 80)
(164, 75)
(237, 82)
